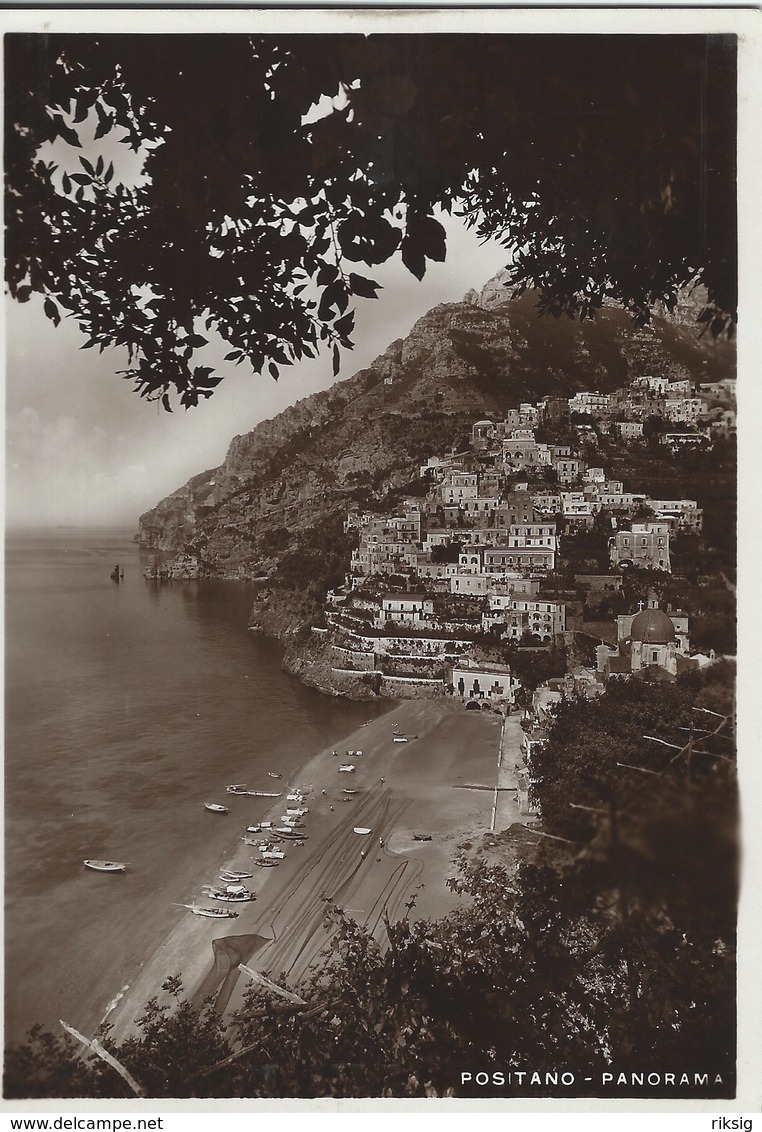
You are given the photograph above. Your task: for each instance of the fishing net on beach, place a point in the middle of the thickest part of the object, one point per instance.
(228, 951)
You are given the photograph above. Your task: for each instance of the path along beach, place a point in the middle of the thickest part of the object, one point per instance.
(428, 786)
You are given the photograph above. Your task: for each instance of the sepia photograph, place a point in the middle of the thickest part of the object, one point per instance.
(370, 558)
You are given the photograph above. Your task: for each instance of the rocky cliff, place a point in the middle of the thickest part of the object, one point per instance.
(274, 509)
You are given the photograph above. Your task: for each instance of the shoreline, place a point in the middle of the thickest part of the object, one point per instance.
(402, 789)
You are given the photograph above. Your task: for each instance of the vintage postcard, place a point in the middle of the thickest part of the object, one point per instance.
(379, 709)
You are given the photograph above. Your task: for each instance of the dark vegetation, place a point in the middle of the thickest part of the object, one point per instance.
(611, 944)
(258, 226)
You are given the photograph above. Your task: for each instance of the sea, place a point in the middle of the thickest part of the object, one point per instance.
(128, 705)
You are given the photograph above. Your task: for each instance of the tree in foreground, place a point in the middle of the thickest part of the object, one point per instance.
(612, 945)
(276, 170)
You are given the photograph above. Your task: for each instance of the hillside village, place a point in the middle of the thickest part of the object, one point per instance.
(479, 566)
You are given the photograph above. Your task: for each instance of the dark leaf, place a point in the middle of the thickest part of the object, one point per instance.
(165, 402)
(103, 127)
(82, 178)
(366, 288)
(413, 257)
(109, 172)
(273, 370)
(51, 310)
(66, 183)
(87, 165)
(66, 132)
(336, 360)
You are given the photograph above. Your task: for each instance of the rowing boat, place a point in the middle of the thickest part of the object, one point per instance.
(105, 866)
(210, 913)
(362, 829)
(216, 808)
(231, 894)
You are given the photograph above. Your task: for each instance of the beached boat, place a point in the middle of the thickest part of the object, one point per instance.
(273, 855)
(295, 796)
(289, 834)
(233, 874)
(210, 913)
(399, 738)
(105, 866)
(215, 808)
(347, 768)
(297, 811)
(362, 829)
(274, 774)
(421, 837)
(267, 864)
(348, 790)
(231, 893)
(264, 793)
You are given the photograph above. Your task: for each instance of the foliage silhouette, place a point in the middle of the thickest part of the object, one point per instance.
(273, 167)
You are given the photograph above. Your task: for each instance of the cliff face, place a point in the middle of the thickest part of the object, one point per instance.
(274, 507)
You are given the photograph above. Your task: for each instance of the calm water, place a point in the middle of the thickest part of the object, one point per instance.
(127, 707)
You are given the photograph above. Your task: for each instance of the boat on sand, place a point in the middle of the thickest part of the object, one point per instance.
(210, 913)
(362, 829)
(231, 894)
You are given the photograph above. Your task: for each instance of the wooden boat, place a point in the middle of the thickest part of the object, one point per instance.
(210, 913)
(215, 808)
(348, 790)
(234, 874)
(105, 866)
(347, 768)
(273, 855)
(297, 811)
(399, 738)
(362, 829)
(231, 894)
(290, 834)
(253, 828)
(421, 837)
(263, 793)
(266, 864)
(237, 788)
(273, 774)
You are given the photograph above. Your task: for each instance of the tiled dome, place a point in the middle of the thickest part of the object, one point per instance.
(653, 627)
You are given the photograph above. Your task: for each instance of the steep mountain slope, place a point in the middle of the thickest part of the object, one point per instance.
(274, 507)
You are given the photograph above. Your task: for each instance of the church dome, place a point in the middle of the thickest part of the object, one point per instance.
(653, 627)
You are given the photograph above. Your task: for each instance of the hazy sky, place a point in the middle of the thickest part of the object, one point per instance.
(83, 449)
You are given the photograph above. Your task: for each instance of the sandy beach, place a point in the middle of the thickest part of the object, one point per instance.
(440, 784)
